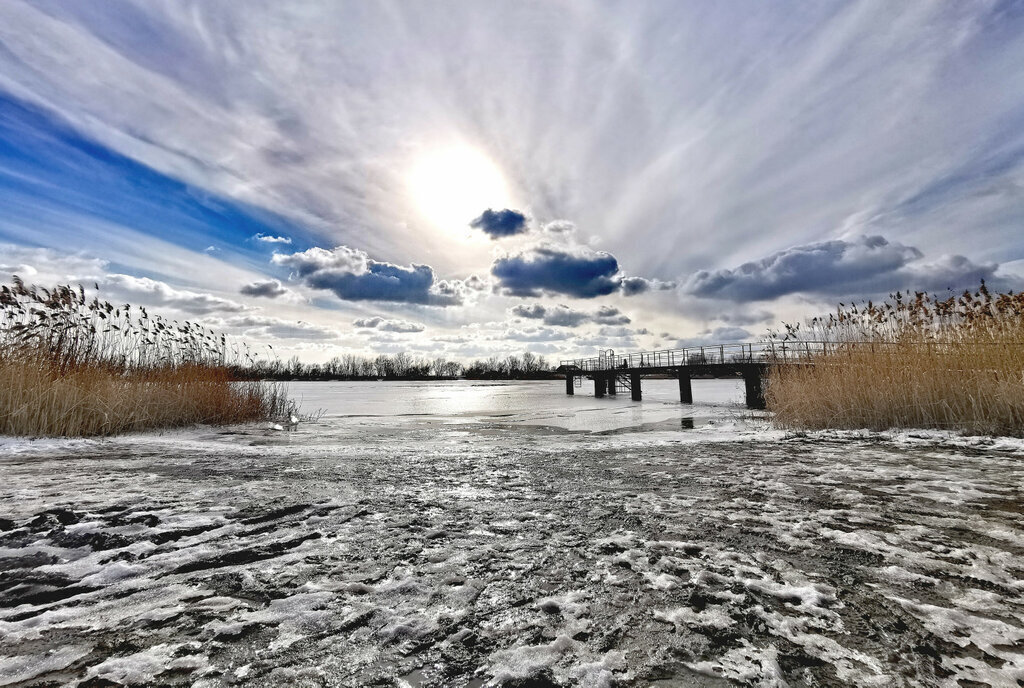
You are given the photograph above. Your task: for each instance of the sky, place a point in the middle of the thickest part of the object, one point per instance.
(466, 179)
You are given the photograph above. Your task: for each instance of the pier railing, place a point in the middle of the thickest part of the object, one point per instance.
(719, 354)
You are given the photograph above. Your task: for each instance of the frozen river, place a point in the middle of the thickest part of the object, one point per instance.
(485, 534)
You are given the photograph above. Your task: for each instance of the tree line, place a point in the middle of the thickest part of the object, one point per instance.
(400, 366)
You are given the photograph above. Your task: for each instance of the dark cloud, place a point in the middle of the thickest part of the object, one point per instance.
(582, 273)
(271, 289)
(384, 325)
(865, 264)
(500, 223)
(631, 286)
(606, 315)
(534, 312)
(563, 316)
(353, 276)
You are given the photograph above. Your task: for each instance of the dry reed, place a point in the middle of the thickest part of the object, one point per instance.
(915, 361)
(73, 366)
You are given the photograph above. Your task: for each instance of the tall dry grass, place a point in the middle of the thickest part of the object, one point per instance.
(914, 361)
(74, 366)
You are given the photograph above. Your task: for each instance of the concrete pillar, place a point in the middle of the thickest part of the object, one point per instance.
(755, 392)
(611, 384)
(599, 385)
(685, 388)
(569, 384)
(634, 386)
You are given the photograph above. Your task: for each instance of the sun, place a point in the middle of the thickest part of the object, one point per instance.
(452, 186)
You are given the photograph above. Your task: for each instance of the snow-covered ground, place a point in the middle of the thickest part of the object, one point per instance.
(477, 535)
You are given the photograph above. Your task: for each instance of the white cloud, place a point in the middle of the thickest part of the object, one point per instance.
(385, 325)
(270, 239)
(149, 292)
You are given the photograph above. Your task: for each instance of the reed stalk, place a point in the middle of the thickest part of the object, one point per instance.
(914, 361)
(74, 366)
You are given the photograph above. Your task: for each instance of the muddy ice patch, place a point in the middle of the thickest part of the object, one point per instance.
(798, 562)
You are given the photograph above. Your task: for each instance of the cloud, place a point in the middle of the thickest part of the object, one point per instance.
(150, 292)
(559, 227)
(697, 164)
(46, 267)
(384, 325)
(631, 286)
(581, 272)
(606, 315)
(718, 335)
(563, 316)
(351, 275)
(864, 266)
(270, 289)
(270, 239)
(533, 334)
(534, 312)
(265, 327)
(500, 223)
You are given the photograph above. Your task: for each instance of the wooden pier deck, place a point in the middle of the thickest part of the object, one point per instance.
(610, 371)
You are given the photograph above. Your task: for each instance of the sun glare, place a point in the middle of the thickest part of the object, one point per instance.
(452, 186)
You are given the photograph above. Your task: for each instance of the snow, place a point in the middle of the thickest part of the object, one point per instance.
(468, 548)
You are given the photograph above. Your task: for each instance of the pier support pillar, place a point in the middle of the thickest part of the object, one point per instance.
(611, 384)
(634, 386)
(599, 385)
(569, 384)
(685, 388)
(755, 391)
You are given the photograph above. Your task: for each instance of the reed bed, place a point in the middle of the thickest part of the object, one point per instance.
(75, 366)
(914, 361)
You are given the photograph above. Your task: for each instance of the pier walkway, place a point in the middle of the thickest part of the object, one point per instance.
(610, 371)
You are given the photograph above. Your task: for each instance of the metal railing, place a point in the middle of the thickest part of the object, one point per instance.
(718, 354)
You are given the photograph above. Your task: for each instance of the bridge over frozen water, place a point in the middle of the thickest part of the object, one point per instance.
(611, 371)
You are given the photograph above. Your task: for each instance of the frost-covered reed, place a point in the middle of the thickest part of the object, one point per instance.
(914, 361)
(75, 366)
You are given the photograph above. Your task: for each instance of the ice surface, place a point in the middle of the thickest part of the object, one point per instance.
(485, 535)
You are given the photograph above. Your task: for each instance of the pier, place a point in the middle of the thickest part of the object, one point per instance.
(613, 373)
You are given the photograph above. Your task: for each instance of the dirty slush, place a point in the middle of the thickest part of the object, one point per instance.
(476, 545)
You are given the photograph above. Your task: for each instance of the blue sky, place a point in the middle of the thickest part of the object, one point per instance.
(466, 179)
